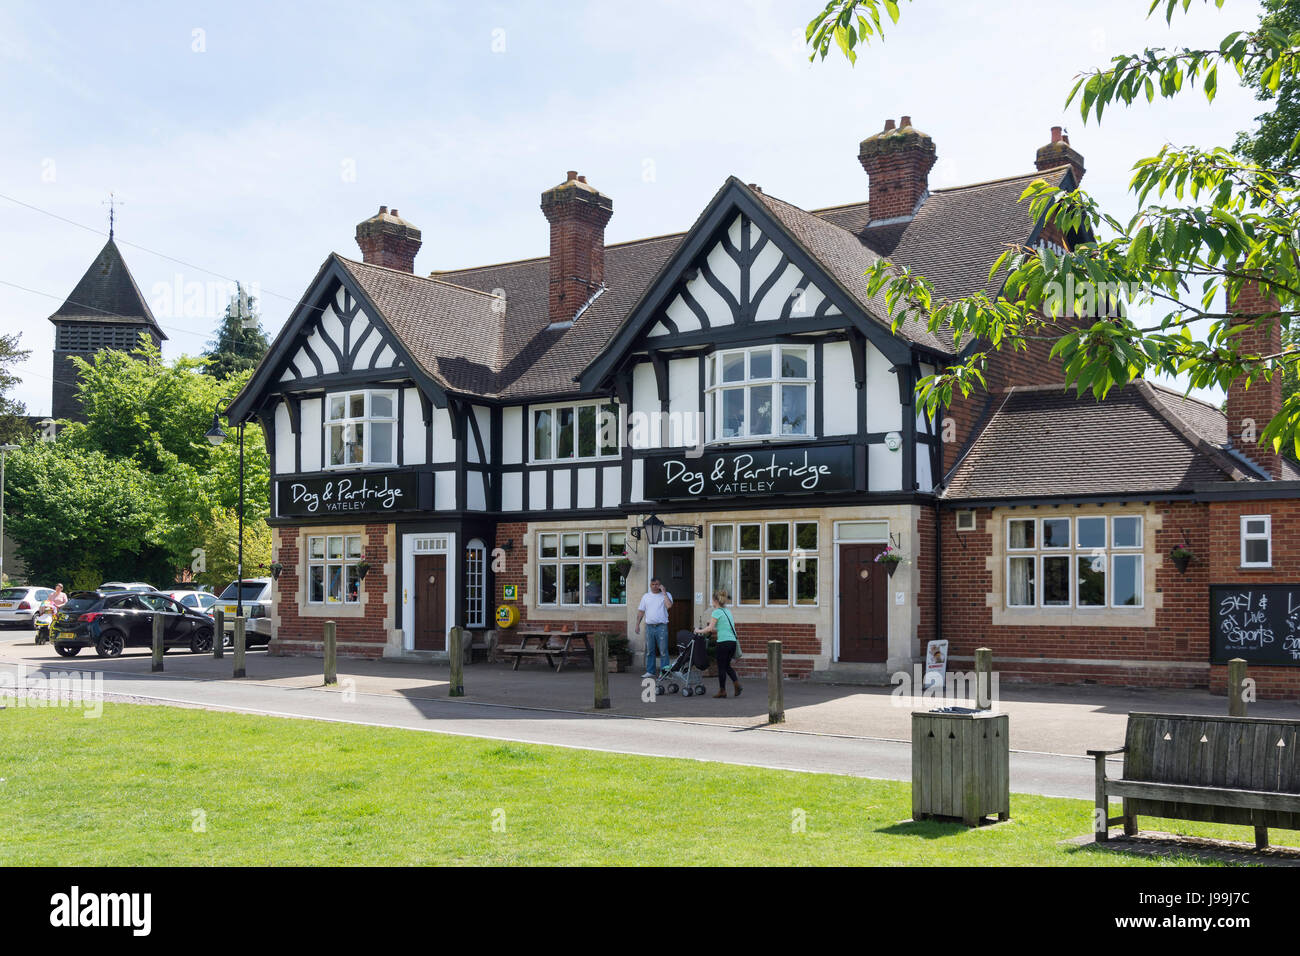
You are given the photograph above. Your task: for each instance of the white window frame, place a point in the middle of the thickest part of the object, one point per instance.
(345, 564)
(715, 387)
(611, 553)
(554, 412)
(367, 419)
(966, 520)
(793, 555)
(476, 583)
(1107, 553)
(1266, 537)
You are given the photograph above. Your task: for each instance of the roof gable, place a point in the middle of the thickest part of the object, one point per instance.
(753, 254)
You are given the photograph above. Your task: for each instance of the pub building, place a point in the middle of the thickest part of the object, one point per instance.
(528, 443)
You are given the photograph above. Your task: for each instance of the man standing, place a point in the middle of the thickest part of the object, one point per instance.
(653, 610)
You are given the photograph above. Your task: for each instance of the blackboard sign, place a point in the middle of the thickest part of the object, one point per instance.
(1259, 624)
(358, 493)
(755, 473)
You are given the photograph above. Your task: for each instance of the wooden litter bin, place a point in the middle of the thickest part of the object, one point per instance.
(960, 765)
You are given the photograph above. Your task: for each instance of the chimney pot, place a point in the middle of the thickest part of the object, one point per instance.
(898, 163)
(577, 261)
(1059, 152)
(387, 243)
(582, 179)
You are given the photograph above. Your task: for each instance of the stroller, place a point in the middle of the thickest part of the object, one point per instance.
(43, 619)
(686, 674)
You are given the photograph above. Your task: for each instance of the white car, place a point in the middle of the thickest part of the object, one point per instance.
(203, 601)
(18, 605)
(255, 593)
(125, 586)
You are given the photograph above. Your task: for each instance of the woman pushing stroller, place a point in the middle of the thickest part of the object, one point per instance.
(723, 625)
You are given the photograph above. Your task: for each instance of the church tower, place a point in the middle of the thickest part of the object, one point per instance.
(105, 311)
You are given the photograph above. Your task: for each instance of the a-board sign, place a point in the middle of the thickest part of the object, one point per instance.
(1258, 623)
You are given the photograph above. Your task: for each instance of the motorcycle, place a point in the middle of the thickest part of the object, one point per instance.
(43, 619)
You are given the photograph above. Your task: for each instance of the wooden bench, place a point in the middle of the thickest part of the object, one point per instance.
(1236, 770)
(545, 649)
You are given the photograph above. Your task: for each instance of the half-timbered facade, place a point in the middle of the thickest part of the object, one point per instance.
(449, 446)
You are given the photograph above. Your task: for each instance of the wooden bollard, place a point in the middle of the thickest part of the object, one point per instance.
(331, 654)
(1236, 687)
(983, 678)
(600, 664)
(775, 684)
(239, 647)
(456, 660)
(219, 635)
(157, 643)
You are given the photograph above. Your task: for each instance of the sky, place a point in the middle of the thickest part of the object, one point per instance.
(245, 141)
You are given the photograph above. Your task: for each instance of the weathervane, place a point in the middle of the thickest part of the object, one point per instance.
(112, 202)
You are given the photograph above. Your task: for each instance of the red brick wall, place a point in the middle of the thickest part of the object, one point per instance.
(794, 638)
(1181, 635)
(1250, 409)
(357, 637)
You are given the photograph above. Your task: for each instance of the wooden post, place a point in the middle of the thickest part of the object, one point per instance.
(1236, 687)
(983, 678)
(331, 654)
(600, 664)
(219, 639)
(239, 647)
(775, 684)
(1101, 808)
(157, 642)
(456, 658)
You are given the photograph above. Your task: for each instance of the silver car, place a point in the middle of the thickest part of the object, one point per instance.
(255, 594)
(18, 605)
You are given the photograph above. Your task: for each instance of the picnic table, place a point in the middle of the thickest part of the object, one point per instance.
(545, 648)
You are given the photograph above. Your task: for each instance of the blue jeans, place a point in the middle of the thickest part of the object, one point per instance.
(656, 636)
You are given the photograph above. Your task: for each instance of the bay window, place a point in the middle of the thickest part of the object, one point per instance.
(361, 428)
(764, 392)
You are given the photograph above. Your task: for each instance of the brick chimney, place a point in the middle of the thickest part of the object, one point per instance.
(1250, 409)
(578, 214)
(898, 161)
(1059, 152)
(388, 240)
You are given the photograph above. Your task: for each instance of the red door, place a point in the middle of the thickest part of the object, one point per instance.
(864, 607)
(430, 602)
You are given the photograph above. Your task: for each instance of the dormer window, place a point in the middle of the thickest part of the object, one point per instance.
(361, 428)
(760, 393)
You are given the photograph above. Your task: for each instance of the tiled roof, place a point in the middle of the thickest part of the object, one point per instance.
(953, 240)
(107, 293)
(956, 235)
(1044, 441)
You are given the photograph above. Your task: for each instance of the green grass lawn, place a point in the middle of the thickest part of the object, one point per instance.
(129, 787)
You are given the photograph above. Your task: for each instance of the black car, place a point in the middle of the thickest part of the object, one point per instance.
(110, 621)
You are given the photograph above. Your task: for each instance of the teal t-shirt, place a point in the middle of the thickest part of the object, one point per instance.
(726, 632)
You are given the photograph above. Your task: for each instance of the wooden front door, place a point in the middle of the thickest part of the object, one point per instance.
(675, 569)
(430, 602)
(863, 604)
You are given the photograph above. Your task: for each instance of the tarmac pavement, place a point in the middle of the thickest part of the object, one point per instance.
(860, 731)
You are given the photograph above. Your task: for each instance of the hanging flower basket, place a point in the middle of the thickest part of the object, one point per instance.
(1181, 558)
(361, 567)
(276, 568)
(890, 559)
(621, 567)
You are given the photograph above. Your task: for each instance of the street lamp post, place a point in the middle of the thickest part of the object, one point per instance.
(4, 452)
(216, 435)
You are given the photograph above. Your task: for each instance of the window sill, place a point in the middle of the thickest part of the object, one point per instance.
(1254, 567)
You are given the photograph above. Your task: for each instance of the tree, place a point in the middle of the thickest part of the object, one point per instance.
(139, 463)
(1218, 225)
(1270, 144)
(240, 342)
(13, 425)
